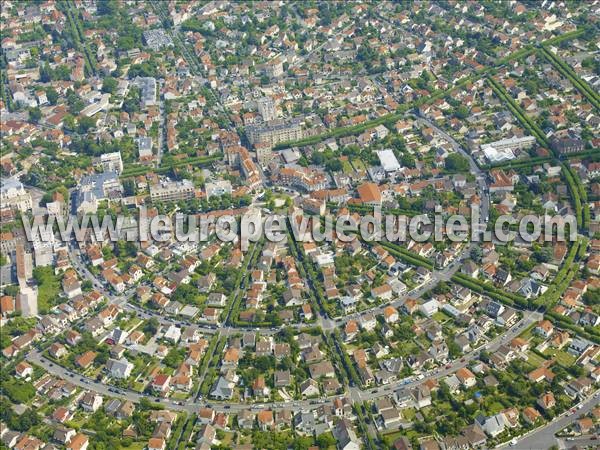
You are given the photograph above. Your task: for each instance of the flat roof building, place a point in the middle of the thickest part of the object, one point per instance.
(388, 160)
(172, 190)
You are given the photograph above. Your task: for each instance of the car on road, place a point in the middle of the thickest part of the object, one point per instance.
(157, 400)
(513, 442)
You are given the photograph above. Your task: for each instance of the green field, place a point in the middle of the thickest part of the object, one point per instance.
(48, 287)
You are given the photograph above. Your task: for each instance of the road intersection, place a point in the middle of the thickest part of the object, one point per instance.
(544, 434)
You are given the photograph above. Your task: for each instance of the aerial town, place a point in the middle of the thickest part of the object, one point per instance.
(316, 109)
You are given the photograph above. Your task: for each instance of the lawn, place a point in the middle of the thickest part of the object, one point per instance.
(346, 166)
(391, 437)
(534, 359)
(358, 164)
(526, 334)
(48, 287)
(440, 317)
(140, 445)
(180, 395)
(130, 324)
(494, 408)
(409, 414)
(563, 358)
(138, 387)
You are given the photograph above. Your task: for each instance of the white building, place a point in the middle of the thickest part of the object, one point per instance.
(144, 147)
(266, 108)
(502, 150)
(218, 188)
(172, 190)
(119, 368)
(388, 160)
(112, 162)
(96, 107)
(148, 87)
(429, 308)
(493, 155)
(14, 195)
(27, 300)
(173, 334)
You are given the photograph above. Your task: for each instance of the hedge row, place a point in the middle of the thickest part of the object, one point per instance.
(355, 129)
(519, 164)
(135, 170)
(565, 322)
(525, 121)
(575, 196)
(77, 32)
(564, 276)
(568, 73)
(342, 359)
(490, 291)
(236, 296)
(407, 255)
(216, 357)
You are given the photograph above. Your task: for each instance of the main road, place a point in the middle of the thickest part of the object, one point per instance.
(544, 437)
(35, 357)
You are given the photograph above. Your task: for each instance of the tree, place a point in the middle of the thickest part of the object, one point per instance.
(185, 294)
(85, 124)
(325, 440)
(408, 160)
(457, 163)
(45, 73)
(51, 95)
(151, 326)
(461, 112)
(333, 165)
(592, 297)
(69, 122)
(107, 7)
(35, 114)
(109, 85)
(174, 358)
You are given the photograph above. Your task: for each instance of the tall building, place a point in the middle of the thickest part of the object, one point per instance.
(148, 87)
(275, 132)
(172, 190)
(264, 153)
(564, 146)
(13, 195)
(43, 247)
(27, 300)
(274, 68)
(112, 162)
(301, 178)
(24, 263)
(266, 108)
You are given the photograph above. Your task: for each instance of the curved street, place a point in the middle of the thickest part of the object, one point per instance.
(545, 434)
